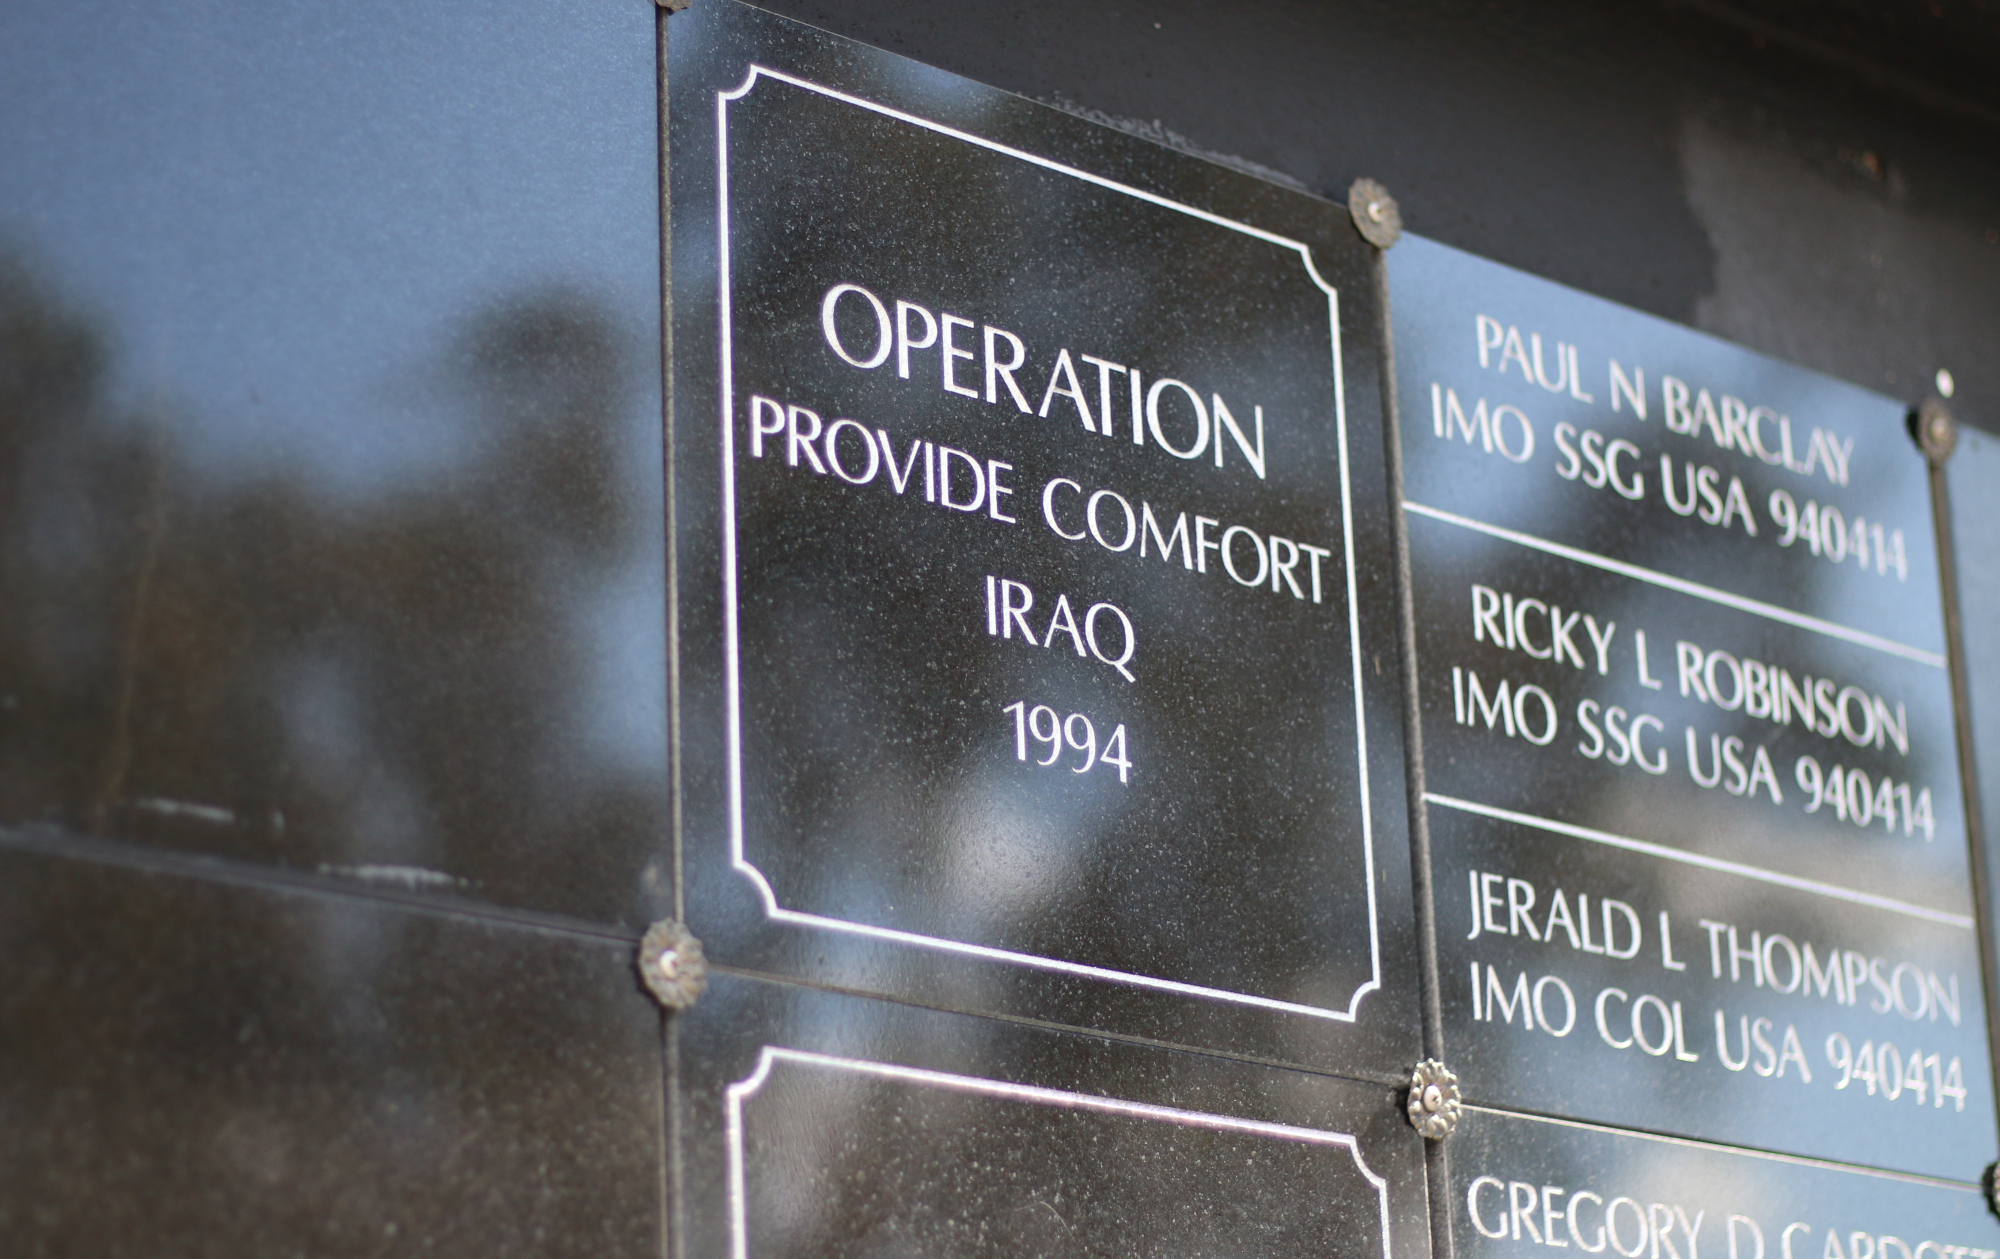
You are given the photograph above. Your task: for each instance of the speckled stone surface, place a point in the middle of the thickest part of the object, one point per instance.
(199, 1068)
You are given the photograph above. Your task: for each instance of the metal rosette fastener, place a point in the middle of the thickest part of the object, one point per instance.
(1375, 213)
(672, 964)
(1936, 431)
(1434, 1105)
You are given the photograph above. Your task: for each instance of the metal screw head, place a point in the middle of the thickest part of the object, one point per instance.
(673, 965)
(1375, 213)
(1434, 1106)
(1936, 431)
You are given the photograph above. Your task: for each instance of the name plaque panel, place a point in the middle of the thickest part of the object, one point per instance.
(1035, 613)
(1695, 812)
(821, 1124)
(1530, 1188)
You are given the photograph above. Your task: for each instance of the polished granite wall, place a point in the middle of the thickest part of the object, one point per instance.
(332, 673)
(333, 686)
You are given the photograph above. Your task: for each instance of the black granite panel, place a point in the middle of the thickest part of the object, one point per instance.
(1581, 980)
(1690, 765)
(821, 1124)
(1611, 751)
(1524, 1186)
(330, 476)
(1973, 480)
(1557, 371)
(1058, 679)
(198, 1068)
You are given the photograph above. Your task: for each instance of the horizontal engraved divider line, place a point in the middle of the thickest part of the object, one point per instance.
(1741, 603)
(778, 913)
(1963, 921)
(736, 1094)
(1719, 1148)
(1059, 1098)
(1034, 159)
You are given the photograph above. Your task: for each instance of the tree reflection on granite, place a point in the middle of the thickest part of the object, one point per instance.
(394, 689)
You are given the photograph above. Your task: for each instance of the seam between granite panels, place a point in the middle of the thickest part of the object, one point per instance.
(51, 842)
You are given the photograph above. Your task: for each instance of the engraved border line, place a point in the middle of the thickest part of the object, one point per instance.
(737, 1093)
(1831, 629)
(1626, 842)
(1737, 1151)
(732, 662)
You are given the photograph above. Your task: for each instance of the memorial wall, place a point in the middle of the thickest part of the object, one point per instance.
(1039, 553)
(752, 642)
